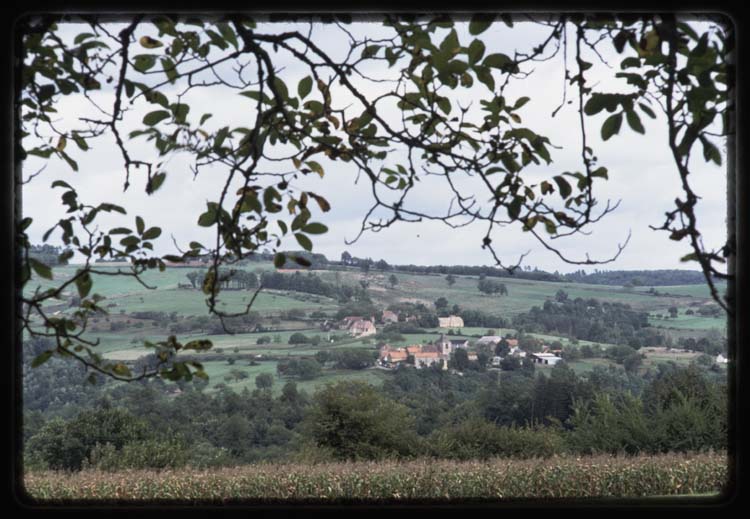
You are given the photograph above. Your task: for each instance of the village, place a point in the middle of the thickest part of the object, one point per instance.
(438, 352)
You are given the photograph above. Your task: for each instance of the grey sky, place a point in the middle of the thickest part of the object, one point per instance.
(641, 172)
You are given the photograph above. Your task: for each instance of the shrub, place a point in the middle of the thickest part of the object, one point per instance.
(477, 438)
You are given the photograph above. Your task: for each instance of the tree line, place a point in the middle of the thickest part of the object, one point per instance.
(415, 414)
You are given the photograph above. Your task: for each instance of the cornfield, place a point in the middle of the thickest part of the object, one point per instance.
(420, 481)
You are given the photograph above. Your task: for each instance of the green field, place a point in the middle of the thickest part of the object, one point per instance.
(689, 322)
(218, 370)
(124, 295)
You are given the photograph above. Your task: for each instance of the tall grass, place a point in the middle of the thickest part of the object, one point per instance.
(551, 478)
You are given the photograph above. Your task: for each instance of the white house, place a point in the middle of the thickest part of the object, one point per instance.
(721, 359)
(545, 358)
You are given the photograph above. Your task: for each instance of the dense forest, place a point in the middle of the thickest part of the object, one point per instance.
(590, 320)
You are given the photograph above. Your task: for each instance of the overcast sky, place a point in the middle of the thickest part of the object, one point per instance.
(641, 170)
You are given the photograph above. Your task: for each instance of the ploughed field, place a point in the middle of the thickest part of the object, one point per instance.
(703, 476)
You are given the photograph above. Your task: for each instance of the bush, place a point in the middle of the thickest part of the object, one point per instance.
(298, 338)
(479, 439)
(62, 445)
(356, 422)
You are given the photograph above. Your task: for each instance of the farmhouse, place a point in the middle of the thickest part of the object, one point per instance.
(394, 357)
(545, 358)
(347, 321)
(362, 328)
(389, 317)
(489, 339)
(452, 321)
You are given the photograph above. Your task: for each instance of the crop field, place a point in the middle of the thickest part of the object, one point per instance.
(426, 481)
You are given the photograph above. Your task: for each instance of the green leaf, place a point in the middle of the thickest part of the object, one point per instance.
(304, 241)
(600, 172)
(180, 111)
(315, 228)
(280, 87)
(279, 259)
(304, 87)
(647, 110)
(61, 183)
(595, 104)
(255, 94)
(484, 74)
(611, 126)
(170, 70)
(40, 268)
(563, 186)
(130, 241)
(480, 23)
(710, 151)
(370, 51)
(520, 102)
(152, 233)
(139, 225)
(152, 118)
(208, 218)
(155, 182)
(634, 121)
(226, 31)
(445, 105)
(143, 62)
(120, 230)
(41, 358)
(83, 284)
(497, 61)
